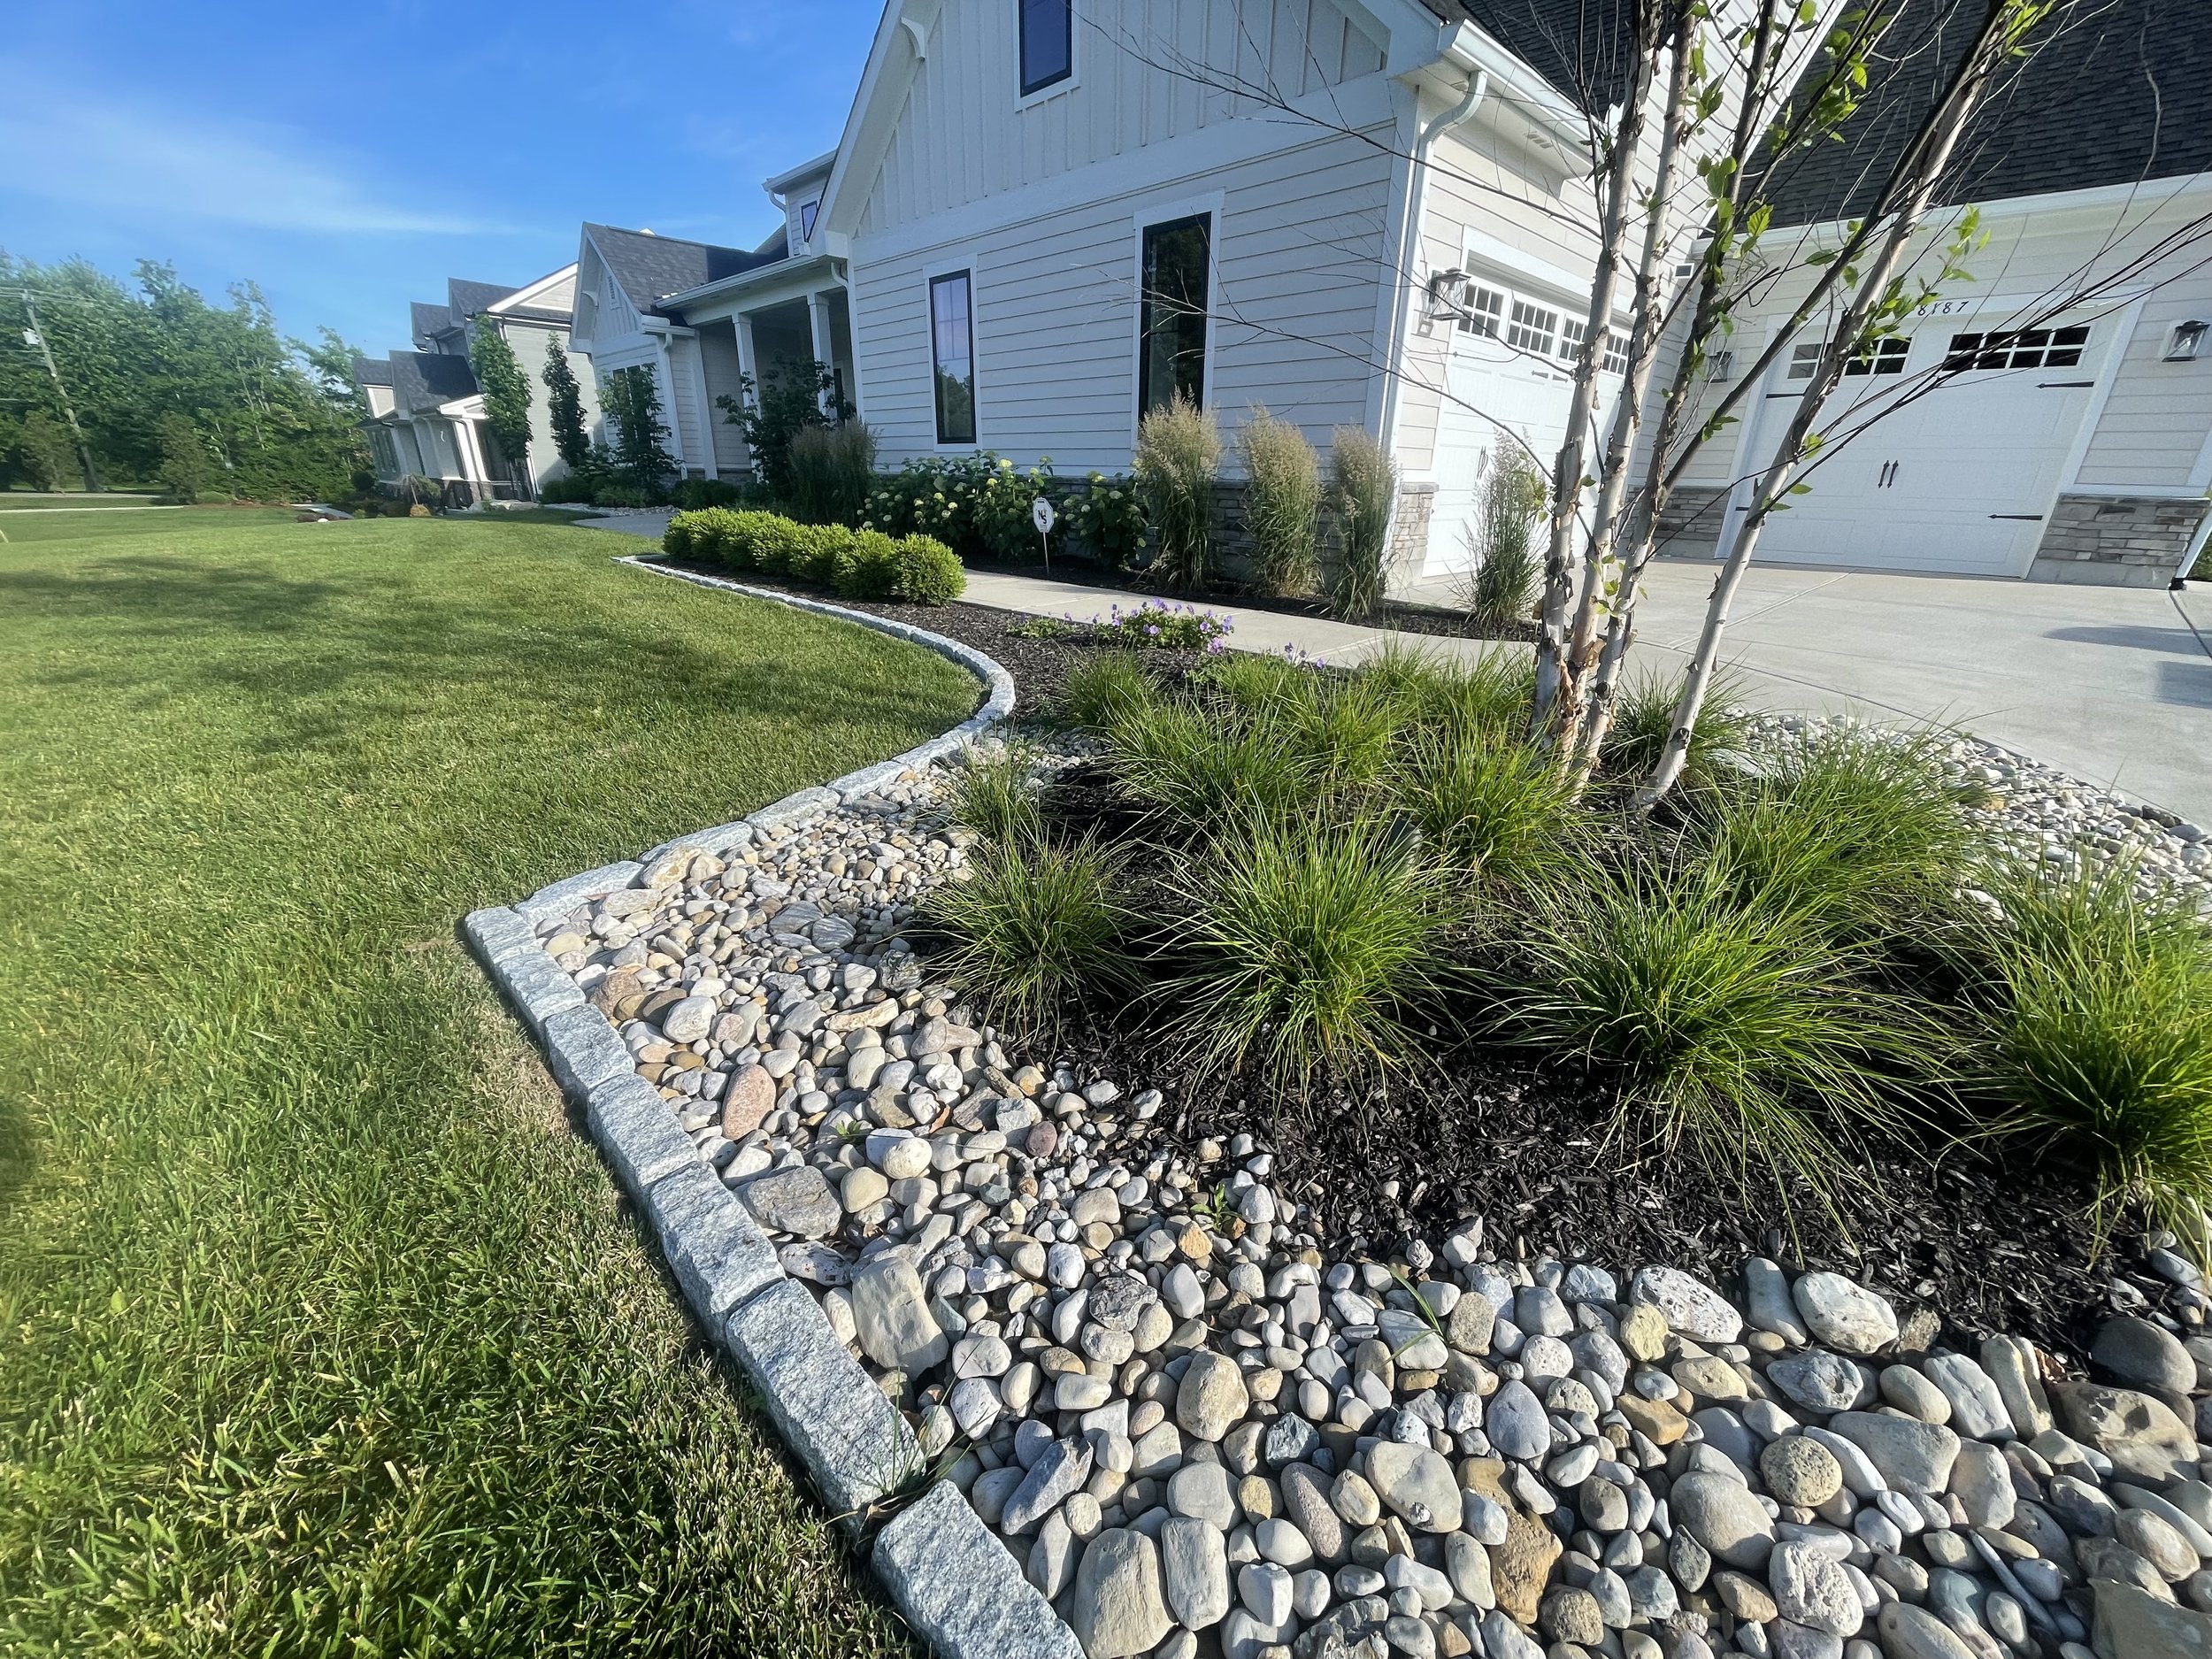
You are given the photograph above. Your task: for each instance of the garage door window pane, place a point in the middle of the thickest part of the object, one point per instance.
(1172, 320)
(1485, 314)
(1884, 356)
(1531, 328)
(2018, 348)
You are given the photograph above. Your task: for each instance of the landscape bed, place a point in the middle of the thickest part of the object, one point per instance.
(1160, 1364)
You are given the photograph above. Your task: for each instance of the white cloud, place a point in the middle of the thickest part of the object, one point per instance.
(113, 158)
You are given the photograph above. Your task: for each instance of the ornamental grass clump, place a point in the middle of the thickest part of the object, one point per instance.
(1486, 699)
(2091, 1036)
(1179, 457)
(1204, 774)
(1852, 828)
(1362, 490)
(1740, 1035)
(1035, 926)
(1501, 811)
(1282, 503)
(1314, 946)
(1102, 689)
(832, 470)
(1501, 590)
(997, 798)
(1643, 716)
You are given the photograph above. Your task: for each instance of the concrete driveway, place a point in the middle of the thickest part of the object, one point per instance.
(2106, 682)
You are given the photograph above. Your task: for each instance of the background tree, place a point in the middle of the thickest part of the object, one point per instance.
(565, 406)
(280, 418)
(506, 390)
(43, 451)
(632, 405)
(186, 466)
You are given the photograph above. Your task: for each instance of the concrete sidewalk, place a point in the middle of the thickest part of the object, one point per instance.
(2107, 683)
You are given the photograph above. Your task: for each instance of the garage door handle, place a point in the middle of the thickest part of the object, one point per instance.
(2025, 517)
(2048, 386)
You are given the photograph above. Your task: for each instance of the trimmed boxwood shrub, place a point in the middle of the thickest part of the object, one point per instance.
(917, 569)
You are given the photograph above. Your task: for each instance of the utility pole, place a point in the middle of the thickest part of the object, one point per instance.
(36, 336)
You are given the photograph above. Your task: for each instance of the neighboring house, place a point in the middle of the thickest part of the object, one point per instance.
(2056, 445)
(427, 412)
(1054, 216)
(700, 317)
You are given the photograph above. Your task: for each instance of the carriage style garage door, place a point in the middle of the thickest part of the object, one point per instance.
(1958, 481)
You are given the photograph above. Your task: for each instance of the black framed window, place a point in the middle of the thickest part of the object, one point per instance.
(952, 352)
(807, 210)
(1171, 312)
(1047, 43)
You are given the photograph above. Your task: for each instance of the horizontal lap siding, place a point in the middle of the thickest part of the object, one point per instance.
(1296, 248)
(1476, 184)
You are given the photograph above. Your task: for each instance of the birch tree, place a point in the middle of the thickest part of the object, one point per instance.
(1878, 296)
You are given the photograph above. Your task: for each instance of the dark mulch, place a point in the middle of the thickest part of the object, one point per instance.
(1983, 1239)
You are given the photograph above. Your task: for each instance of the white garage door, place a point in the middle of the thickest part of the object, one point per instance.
(1492, 387)
(1957, 481)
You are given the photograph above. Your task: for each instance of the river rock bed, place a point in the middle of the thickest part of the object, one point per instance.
(1205, 1428)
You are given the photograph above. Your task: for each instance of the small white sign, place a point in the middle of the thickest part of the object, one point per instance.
(1042, 515)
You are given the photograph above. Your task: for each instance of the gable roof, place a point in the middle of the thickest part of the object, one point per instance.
(372, 371)
(464, 299)
(426, 321)
(423, 379)
(2112, 93)
(649, 267)
(1584, 50)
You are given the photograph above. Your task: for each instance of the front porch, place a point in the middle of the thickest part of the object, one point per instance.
(755, 330)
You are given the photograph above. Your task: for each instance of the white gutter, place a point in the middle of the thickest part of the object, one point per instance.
(1408, 241)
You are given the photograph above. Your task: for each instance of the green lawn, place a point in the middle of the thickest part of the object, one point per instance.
(24, 500)
(321, 1332)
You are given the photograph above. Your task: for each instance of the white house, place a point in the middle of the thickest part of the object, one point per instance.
(2051, 419)
(1054, 214)
(425, 411)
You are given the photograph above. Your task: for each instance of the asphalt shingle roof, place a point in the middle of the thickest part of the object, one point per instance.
(464, 299)
(2111, 92)
(372, 371)
(650, 267)
(427, 321)
(423, 379)
(1585, 49)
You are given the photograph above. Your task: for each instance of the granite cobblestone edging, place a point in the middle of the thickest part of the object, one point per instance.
(958, 1585)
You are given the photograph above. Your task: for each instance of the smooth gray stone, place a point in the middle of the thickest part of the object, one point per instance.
(1194, 1571)
(798, 1201)
(1723, 1516)
(1822, 1381)
(1065, 1466)
(561, 897)
(1117, 1609)
(584, 1051)
(1912, 1457)
(960, 1589)
(1978, 1410)
(1766, 1294)
(2141, 1355)
(828, 1408)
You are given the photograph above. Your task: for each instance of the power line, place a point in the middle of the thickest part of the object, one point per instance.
(36, 336)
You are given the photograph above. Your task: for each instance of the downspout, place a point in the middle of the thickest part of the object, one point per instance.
(1408, 240)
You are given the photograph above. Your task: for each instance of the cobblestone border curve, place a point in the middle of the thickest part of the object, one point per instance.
(958, 1585)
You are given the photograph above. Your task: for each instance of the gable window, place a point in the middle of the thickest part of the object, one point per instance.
(1485, 314)
(952, 352)
(1171, 312)
(1531, 328)
(807, 210)
(2018, 348)
(1047, 43)
(1805, 357)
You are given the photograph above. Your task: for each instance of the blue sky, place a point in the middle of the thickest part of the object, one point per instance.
(350, 158)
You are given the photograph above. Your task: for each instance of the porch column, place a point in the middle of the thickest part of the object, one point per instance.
(474, 467)
(818, 315)
(748, 360)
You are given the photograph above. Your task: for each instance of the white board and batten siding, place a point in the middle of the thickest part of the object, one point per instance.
(1043, 201)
